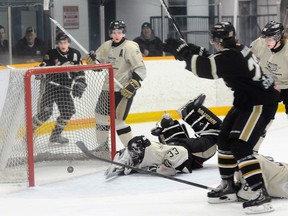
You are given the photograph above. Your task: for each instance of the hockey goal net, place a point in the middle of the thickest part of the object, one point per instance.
(22, 149)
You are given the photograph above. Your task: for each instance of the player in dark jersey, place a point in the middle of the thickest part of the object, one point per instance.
(254, 106)
(58, 87)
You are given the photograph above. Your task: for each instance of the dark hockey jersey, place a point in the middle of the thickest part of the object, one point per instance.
(55, 57)
(241, 72)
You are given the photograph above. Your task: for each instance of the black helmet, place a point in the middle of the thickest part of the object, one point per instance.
(136, 148)
(117, 24)
(62, 36)
(273, 29)
(225, 33)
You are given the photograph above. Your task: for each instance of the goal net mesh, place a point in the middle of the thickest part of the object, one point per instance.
(80, 127)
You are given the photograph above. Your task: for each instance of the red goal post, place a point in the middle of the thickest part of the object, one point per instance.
(81, 127)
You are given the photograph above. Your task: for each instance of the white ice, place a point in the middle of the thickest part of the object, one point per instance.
(137, 194)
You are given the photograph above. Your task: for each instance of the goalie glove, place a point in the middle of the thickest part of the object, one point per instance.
(78, 89)
(179, 48)
(91, 57)
(129, 89)
(153, 168)
(122, 156)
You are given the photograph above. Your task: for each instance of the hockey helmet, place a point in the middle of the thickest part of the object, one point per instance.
(117, 24)
(136, 148)
(223, 32)
(62, 36)
(273, 29)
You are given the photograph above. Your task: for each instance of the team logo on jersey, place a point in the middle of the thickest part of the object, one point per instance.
(57, 62)
(75, 57)
(46, 57)
(272, 68)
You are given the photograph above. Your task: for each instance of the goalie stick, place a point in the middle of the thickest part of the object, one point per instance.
(163, 3)
(81, 145)
(77, 43)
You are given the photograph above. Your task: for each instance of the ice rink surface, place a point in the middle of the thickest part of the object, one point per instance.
(138, 194)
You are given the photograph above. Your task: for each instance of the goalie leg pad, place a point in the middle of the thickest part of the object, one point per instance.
(191, 105)
(203, 120)
(176, 130)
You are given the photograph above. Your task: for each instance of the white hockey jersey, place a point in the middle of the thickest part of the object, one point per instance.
(275, 177)
(125, 59)
(274, 64)
(157, 154)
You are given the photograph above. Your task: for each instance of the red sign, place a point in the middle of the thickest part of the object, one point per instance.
(71, 17)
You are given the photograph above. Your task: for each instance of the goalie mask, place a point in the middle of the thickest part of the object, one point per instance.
(136, 148)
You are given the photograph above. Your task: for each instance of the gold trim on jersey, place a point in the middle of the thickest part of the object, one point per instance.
(251, 122)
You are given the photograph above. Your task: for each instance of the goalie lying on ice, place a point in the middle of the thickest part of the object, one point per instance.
(175, 151)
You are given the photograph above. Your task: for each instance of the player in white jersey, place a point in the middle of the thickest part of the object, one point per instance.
(275, 175)
(129, 70)
(175, 152)
(272, 51)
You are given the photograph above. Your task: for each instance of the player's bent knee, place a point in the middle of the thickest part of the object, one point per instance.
(241, 149)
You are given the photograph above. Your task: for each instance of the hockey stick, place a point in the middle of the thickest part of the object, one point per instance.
(77, 43)
(163, 3)
(81, 145)
(59, 85)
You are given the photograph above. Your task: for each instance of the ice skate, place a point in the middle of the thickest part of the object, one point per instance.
(225, 192)
(259, 202)
(245, 193)
(58, 139)
(101, 148)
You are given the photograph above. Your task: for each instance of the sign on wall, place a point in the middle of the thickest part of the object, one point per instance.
(71, 17)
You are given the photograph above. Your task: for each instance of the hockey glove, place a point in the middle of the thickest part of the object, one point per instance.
(91, 57)
(78, 89)
(153, 168)
(129, 89)
(40, 77)
(196, 50)
(179, 48)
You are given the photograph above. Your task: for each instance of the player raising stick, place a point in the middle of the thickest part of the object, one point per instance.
(254, 106)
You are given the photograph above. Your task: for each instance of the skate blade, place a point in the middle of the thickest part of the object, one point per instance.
(264, 208)
(224, 199)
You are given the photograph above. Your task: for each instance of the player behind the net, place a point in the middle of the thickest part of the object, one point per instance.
(175, 151)
(254, 107)
(129, 70)
(56, 88)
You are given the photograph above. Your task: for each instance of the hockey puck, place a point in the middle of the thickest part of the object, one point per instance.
(70, 169)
